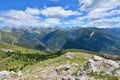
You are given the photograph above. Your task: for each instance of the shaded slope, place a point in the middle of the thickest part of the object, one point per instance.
(22, 38)
(59, 39)
(98, 41)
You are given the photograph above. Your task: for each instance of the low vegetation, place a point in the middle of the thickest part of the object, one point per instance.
(103, 75)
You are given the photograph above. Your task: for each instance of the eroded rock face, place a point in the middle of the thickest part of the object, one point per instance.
(111, 63)
(96, 65)
(97, 58)
(117, 73)
(65, 71)
(4, 74)
(91, 65)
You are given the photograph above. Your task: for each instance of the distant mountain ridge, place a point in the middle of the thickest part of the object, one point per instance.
(105, 40)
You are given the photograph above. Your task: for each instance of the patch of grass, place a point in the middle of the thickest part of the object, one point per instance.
(85, 67)
(75, 73)
(61, 69)
(103, 75)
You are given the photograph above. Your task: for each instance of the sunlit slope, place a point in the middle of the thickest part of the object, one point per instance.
(13, 48)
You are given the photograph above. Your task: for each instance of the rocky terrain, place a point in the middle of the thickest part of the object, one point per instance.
(69, 66)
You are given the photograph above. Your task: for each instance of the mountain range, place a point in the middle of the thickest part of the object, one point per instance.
(103, 40)
(59, 54)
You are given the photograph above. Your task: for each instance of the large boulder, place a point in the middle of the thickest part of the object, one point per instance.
(91, 61)
(91, 65)
(97, 58)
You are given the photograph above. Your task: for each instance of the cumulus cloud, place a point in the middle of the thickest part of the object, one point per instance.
(18, 18)
(32, 17)
(51, 21)
(32, 11)
(58, 12)
(106, 23)
(93, 4)
(101, 13)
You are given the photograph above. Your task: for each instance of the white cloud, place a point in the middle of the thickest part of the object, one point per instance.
(113, 22)
(51, 21)
(99, 11)
(32, 11)
(32, 17)
(58, 12)
(90, 5)
(86, 2)
(18, 18)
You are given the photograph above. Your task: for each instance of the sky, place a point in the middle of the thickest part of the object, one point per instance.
(61, 13)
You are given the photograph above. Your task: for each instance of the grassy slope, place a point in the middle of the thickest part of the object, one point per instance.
(18, 59)
(35, 64)
(18, 49)
(79, 57)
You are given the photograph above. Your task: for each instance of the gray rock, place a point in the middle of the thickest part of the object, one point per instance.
(90, 61)
(6, 50)
(68, 55)
(91, 65)
(117, 73)
(85, 77)
(20, 73)
(111, 63)
(64, 78)
(4, 74)
(68, 78)
(97, 58)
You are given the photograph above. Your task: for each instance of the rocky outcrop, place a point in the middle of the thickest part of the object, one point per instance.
(5, 75)
(6, 50)
(68, 55)
(111, 63)
(92, 67)
(97, 66)
(97, 58)
(117, 73)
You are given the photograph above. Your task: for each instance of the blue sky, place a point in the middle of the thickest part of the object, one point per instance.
(23, 4)
(63, 13)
